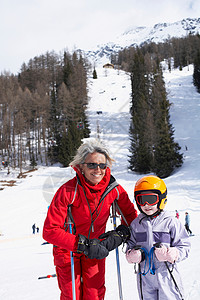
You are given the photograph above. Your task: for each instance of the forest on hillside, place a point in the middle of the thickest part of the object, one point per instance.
(153, 148)
(43, 109)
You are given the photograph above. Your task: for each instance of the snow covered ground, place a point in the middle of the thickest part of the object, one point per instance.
(23, 258)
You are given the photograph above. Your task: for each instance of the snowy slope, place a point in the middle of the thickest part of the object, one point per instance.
(23, 258)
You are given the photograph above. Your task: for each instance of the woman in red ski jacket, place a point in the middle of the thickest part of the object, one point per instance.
(86, 199)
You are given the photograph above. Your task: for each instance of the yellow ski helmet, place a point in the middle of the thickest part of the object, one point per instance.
(153, 184)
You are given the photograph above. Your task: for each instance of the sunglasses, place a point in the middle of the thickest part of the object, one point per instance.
(150, 199)
(102, 166)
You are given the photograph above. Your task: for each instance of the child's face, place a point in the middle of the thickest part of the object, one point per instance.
(149, 209)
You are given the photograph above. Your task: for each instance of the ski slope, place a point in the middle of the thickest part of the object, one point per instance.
(23, 258)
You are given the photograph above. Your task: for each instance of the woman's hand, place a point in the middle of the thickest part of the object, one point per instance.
(112, 239)
(91, 248)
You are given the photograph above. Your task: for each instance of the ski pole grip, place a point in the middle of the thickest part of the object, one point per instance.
(157, 245)
(143, 251)
(69, 215)
(137, 247)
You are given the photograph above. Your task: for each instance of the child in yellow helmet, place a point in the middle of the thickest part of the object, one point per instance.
(157, 243)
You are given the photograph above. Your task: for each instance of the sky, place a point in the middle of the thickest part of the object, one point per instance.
(31, 28)
(24, 258)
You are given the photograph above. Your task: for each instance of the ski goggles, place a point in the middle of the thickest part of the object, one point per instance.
(150, 199)
(102, 166)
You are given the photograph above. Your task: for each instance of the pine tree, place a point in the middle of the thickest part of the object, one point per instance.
(140, 157)
(152, 144)
(94, 74)
(33, 162)
(166, 155)
(196, 73)
(69, 143)
(65, 149)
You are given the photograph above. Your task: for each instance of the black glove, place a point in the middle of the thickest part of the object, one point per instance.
(91, 248)
(114, 238)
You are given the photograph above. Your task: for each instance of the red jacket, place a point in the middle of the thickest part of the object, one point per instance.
(84, 211)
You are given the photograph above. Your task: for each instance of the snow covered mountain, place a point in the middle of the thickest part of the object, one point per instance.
(138, 35)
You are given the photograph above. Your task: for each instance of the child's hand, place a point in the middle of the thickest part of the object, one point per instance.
(172, 254)
(161, 253)
(167, 254)
(134, 256)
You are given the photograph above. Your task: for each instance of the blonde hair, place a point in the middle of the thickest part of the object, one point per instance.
(91, 146)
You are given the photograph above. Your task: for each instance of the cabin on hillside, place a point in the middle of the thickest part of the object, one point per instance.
(108, 66)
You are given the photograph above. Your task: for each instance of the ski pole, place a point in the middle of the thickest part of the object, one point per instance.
(69, 222)
(172, 277)
(47, 276)
(158, 245)
(117, 254)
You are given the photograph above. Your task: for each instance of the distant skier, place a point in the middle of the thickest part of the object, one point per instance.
(158, 242)
(177, 214)
(34, 227)
(187, 223)
(4, 164)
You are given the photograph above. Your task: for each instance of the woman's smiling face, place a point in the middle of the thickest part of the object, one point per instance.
(94, 176)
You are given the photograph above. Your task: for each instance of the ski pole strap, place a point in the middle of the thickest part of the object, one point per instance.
(148, 257)
(119, 209)
(70, 219)
(151, 261)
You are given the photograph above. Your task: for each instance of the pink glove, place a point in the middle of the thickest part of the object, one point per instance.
(133, 256)
(161, 253)
(172, 254)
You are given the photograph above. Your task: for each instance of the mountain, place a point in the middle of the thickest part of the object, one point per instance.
(138, 35)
